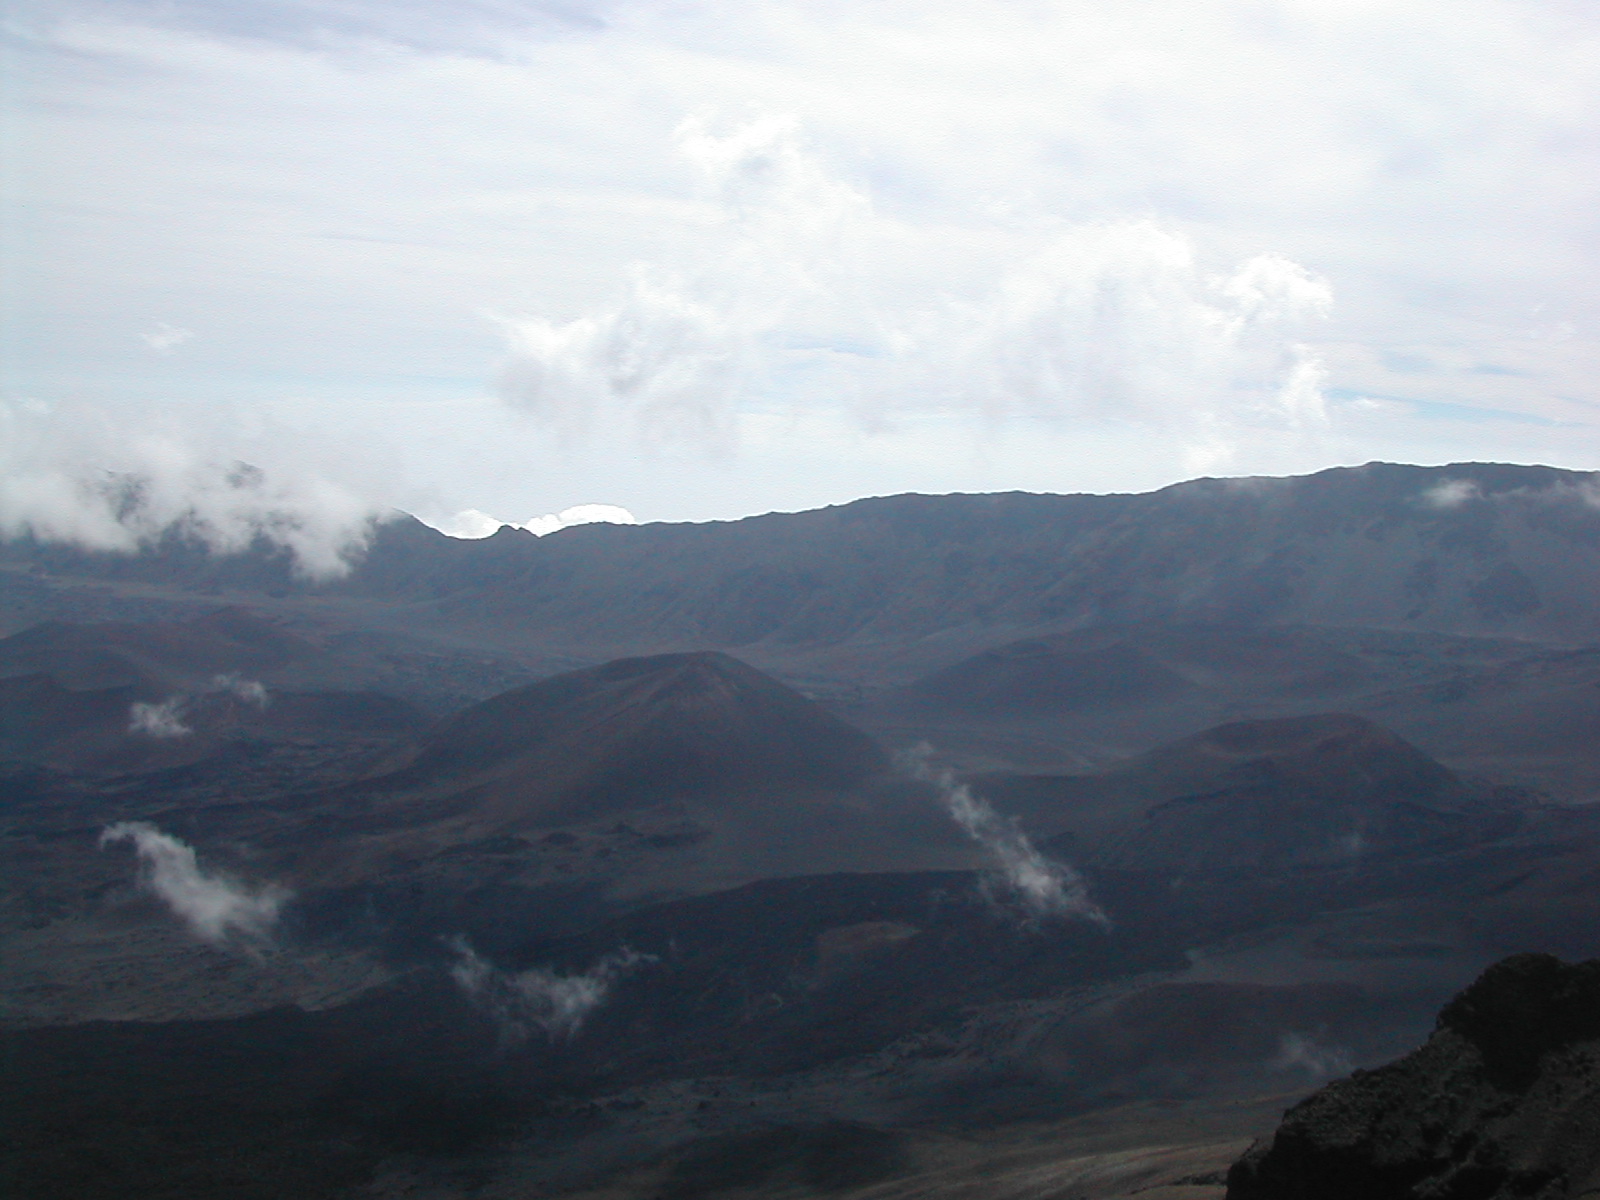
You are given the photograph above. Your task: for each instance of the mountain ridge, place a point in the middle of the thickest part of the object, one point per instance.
(1467, 548)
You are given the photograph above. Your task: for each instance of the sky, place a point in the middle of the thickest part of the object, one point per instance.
(271, 268)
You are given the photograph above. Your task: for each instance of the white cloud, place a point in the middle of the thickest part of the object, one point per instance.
(164, 339)
(1452, 493)
(1118, 321)
(1301, 1052)
(1102, 321)
(579, 514)
(662, 359)
(250, 691)
(73, 473)
(1045, 888)
(555, 1003)
(344, 189)
(163, 720)
(689, 342)
(166, 719)
(470, 523)
(473, 523)
(214, 907)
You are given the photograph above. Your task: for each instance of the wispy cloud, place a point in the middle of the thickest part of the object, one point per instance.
(215, 908)
(556, 1004)
(158, 720)
(1044, 888)
(164, 339)
(1302, 1052)
(169, 718)
(250, 691)
(1452, 493)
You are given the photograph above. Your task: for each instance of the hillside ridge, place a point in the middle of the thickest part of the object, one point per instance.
(1468, 548)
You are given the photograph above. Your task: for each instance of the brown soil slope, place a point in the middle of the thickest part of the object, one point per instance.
(636, 730)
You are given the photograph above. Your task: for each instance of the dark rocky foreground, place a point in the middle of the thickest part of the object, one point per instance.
(740, 993)
(1503, 1101)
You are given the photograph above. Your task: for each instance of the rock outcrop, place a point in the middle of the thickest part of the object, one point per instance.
(1502, 1102)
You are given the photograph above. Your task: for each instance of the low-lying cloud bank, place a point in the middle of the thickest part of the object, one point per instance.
(79, 475)
(215, 908)
(558, 1005)
(1043, 887)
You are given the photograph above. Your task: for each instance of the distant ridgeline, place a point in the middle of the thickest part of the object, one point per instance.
(1469, 548)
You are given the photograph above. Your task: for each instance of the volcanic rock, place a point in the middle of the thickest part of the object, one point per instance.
(1502, 1101)
(41, 721)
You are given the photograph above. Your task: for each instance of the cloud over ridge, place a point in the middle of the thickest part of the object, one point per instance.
(77, 474)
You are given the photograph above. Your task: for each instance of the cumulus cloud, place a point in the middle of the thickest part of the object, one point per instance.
(161, 720)
(1044, 888)
(473, 523)
(1120, 321)
(580, 514)
(554, 1003)
(664, 361)
(214, 907)
(688, 343)
(78, 474)
(992, 178)
(1106, 320)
